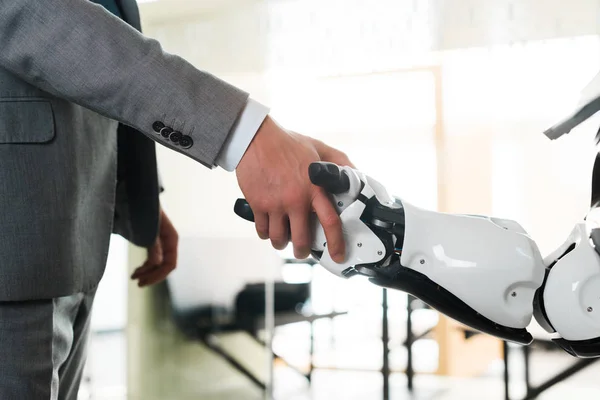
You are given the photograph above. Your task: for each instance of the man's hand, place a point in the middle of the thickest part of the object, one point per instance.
(273, 175)
(162, 256)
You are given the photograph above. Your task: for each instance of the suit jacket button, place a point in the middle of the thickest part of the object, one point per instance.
(186, 142)
(157, 126)
(175, 137)
(165, 132)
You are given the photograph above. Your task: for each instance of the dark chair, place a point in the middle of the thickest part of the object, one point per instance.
(205, 323)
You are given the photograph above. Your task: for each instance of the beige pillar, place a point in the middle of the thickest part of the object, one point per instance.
(464, 186)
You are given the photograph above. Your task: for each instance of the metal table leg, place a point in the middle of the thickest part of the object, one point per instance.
(386, 350)
(232, 361)
(506, 374)
(534, 392)
(410, 373)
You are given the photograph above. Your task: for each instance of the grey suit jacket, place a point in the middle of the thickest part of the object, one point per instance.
(71, 76)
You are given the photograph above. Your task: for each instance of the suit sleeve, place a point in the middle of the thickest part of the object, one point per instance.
(75, 50)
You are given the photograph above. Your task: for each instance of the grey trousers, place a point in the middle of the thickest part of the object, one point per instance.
(43, 347)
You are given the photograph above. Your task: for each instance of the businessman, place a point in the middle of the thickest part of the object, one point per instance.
(84, 98)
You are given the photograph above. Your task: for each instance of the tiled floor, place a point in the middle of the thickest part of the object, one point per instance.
(106, 370)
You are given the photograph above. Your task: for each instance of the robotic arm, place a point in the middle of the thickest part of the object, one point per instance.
(484, 272)
(481, 271)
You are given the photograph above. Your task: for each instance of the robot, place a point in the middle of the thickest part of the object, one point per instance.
(484, 272)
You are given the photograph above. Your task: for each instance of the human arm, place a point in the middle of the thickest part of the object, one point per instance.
(77, 51)
(162, 255)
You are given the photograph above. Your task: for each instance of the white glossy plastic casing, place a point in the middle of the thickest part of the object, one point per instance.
(572, 291)
(362, 245)
(491, 264)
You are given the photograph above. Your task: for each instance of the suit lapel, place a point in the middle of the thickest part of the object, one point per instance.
(131, 13)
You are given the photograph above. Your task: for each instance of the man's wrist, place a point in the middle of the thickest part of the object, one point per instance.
(242, 133)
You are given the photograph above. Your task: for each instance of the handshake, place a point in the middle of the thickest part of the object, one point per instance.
(484, 272)
(272, 177)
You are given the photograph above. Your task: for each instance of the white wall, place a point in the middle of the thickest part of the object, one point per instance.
(476, 23)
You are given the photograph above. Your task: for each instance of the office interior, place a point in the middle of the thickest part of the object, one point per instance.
(445, 103)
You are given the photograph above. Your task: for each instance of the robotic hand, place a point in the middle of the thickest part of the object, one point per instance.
(484, 272)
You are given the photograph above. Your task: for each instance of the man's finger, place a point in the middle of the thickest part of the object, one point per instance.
(170, 258)
(170, 248)
(279, 231)
(330, 154)
(156, 276)
(261, 223)
(300, 231)
(337, 157)
(332, 225)
(160, 272)
(146, 267)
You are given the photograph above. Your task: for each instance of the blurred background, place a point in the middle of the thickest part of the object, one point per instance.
(445, 103)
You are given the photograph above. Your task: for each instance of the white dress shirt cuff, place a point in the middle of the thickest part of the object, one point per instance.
(242, 133)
